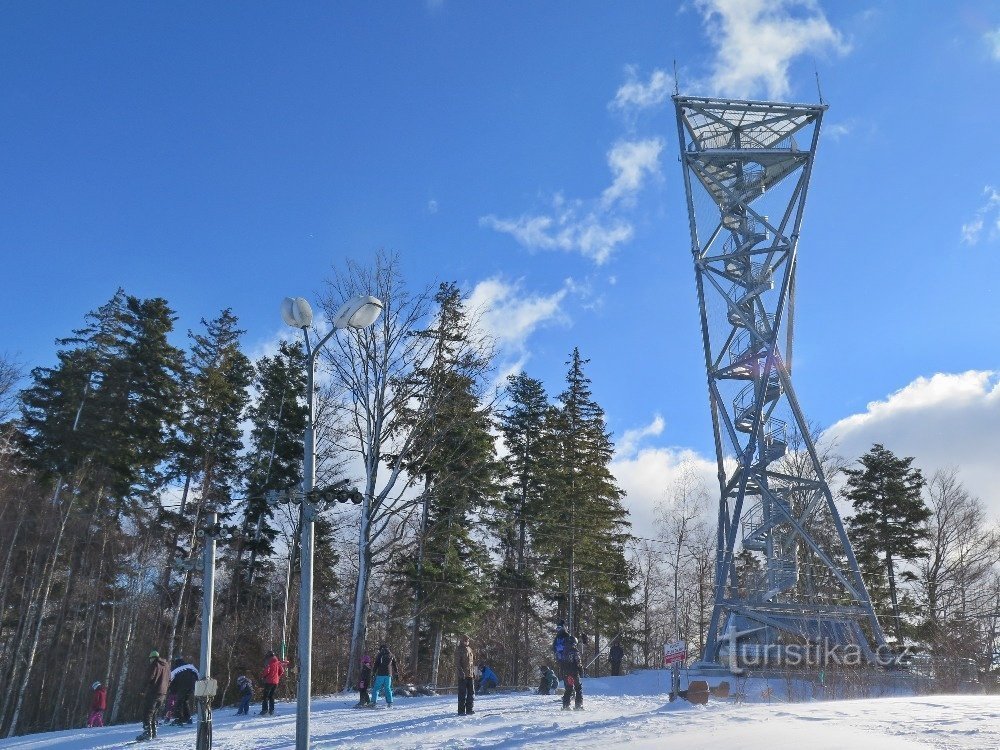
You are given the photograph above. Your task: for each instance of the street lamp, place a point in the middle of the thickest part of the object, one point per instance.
(360, 312)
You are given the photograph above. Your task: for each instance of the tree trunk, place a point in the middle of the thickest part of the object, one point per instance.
(46, 590)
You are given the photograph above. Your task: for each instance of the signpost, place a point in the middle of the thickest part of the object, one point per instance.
(674, 654)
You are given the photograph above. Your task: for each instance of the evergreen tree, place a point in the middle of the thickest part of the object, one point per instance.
(585, 527)
(523, 426)
(208, 446)
(101, 418)
(454, 455)
(888, 525)
(274, 459)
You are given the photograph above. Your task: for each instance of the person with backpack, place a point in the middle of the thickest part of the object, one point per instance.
(615, 656)
(182, 679)
(98, 705)
(365, 681)
(465, 673)
(385, 669)
(574, 674)
(157, 683)
(245, 687)
(548, 681)
(270, 677)
(559, 647)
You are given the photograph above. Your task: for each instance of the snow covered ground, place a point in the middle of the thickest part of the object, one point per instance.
(629, 711)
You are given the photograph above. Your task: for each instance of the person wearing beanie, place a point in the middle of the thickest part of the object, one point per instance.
(157, 684)
(365, 681)
(98, 705)
(245, 687)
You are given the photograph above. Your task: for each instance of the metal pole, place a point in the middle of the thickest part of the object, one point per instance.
(204, 741)
(306, 562)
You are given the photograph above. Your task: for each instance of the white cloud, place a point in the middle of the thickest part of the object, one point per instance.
(987, 217)
(630, 439)
(756, 41)
(638, 95)
(432, 206)
(647, 477)
(993, 40)
(631, 162)
(592, 228)
(509, 316)
(592, 235)
(947, 420)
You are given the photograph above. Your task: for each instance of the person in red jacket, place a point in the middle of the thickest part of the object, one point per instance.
(98, 705)
(273, 669)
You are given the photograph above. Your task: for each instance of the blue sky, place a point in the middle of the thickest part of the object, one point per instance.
(228, 155)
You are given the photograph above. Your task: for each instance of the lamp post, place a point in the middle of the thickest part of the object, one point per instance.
(360, 312)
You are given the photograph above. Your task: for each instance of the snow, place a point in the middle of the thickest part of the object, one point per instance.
(630, 711)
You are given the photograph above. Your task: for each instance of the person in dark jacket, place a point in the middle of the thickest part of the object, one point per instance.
(548, 681)
(559, 648)
(574, 674)
(182, 679)
(271, 676)
(245, 687)
(98, 705)
(385, 670)
(365, 681)
(157, 684)
(615, 656)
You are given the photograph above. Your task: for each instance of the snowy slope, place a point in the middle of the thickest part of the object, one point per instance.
(630, 711)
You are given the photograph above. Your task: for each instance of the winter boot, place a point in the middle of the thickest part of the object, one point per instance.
(143, 737)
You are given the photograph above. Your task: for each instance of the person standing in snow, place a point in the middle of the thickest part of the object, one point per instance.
(245, 687)
(385, 669)
(559, 648)
(271, 676)
(365, 681)
(98, 705)
(465, 672)
(574, 674)
(615, 656)
(488, 679)
(182, 679)
(157, 684)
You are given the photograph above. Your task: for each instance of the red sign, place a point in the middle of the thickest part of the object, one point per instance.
(674, 652)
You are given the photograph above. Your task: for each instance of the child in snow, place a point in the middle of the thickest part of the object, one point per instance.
(365, 680)
(574, 672)
(488, 679)
(245, 687)
(98, 704)
(548, 681)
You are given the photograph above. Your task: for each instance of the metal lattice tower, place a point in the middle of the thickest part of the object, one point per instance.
(785, 570)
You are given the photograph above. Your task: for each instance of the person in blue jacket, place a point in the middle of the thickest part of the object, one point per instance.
(488, 680)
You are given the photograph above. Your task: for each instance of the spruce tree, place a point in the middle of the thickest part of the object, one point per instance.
(888, 525)
(523, 426)
(208, 446)
(455, 458)
(585, 526)
(274, 458)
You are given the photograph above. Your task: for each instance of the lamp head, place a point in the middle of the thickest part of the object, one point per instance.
(359, 312)
(296, 312)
